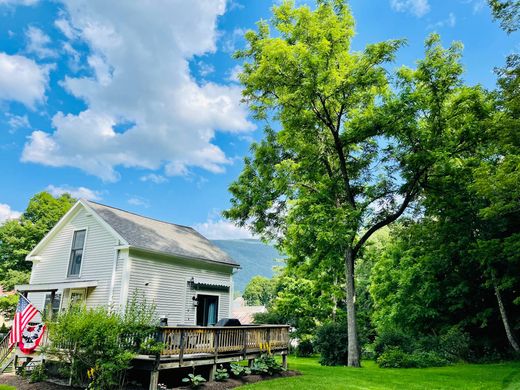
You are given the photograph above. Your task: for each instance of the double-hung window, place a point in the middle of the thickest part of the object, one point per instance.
(76, 253)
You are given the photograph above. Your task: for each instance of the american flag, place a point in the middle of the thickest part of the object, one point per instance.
(25, 312)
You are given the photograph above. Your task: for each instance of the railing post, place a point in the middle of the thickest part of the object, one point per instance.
(244, 335)
(216, 342)
(181, 342)
(268, 340)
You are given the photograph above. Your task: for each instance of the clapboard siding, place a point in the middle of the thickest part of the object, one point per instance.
(97, 263)
(165, 283)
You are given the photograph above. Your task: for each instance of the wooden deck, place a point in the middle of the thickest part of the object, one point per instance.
(187, 346)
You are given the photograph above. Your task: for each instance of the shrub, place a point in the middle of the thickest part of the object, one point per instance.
(392, 339)
(98, 343)
(221, 374)
(194, 380)
(38, 374)
(305, 348)
(394, 357)
(266, 365)
(332, 344)
(239, 371)
(454, 344)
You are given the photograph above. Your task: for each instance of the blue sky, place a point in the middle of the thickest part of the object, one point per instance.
(135, 104)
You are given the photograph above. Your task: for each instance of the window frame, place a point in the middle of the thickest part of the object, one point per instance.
(209, 294)
(69, 275)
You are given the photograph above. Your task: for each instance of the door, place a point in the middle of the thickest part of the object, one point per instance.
(207, 310)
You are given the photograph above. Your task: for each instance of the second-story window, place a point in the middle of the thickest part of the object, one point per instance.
(76, 254)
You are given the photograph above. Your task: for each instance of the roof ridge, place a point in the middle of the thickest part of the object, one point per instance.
(140, 215)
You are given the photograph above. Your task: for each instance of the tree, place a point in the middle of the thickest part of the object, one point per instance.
(19, 236)
(352, 153)
(507, 12)
(259, 291)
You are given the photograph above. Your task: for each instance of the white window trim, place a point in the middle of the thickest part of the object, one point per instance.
(78, 276)
(214, 294)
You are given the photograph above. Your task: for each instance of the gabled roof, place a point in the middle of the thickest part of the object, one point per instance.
(157, 236)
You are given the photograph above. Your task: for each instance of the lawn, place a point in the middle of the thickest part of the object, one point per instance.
(462, 376)
(5, 387)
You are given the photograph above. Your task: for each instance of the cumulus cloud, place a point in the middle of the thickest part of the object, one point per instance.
(22, 79)
(139, 58)
(221, 229)
(7, 213)
(38, 43)
(75, 192)
(418, 8)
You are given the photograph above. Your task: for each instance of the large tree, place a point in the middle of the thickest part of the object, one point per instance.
(352, 152)
(19, 236)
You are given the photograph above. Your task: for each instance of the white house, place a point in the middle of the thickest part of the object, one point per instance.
(102, 255)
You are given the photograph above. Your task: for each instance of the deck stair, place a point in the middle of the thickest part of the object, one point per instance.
(6, 355)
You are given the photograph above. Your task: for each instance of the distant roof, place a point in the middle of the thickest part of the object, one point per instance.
(158, 236)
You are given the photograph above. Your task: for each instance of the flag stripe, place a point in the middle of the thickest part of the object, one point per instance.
(25, 312)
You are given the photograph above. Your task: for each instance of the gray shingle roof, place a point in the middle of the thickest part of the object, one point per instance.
(158, 236)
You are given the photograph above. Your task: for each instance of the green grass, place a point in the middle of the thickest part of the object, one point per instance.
(461, 376)
(5, 387)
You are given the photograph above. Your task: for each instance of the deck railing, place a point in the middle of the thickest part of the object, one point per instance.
(181, 341)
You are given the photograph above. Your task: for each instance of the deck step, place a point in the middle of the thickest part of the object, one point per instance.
(8, 361)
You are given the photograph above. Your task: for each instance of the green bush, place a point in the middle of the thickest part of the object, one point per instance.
(392, 339)
(38, 374)
(221, 374)
(305, 348)
(332, 344)
(98, 344)
(394, 357)
(266, 365)
(239, 371)
(194, 380)
(454, 345)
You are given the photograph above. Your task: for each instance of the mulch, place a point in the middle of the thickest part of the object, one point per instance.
(23, 384)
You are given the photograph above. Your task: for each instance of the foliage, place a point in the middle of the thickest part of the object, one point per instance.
(313, 185)
(221, 374)
(259, 291)
(392, 339)
(305, 348)
(396, 358)
(19, 236)
(239, 370)
(95, 342)
(266, 365)
(13, 277)
(507, 12)
(8, 305)
(332, 344)
(38, 374)
(194, 380)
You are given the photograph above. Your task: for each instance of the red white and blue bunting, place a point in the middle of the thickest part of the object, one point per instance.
(31, 338)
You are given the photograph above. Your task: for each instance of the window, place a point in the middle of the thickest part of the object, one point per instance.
(207, 309)
(76, 254)
(55, 306)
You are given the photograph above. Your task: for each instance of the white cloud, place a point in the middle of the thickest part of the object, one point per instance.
(7, 213)
(231, 40)
(37, 43)
(221, 229)
(234, 72)
(204, 68)
(65, 27)
(75, 192)
(22, 79)
(154, 178)
(139, 57)
(17, 122)
(18, 2)
(138, 201)
(418, 8)
(450, 21)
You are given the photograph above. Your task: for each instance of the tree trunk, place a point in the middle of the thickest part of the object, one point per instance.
(353, 348)
(503, 314)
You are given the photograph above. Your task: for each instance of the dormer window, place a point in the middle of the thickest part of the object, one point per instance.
(76, 253)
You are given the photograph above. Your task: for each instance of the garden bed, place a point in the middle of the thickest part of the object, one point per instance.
(236, 382)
